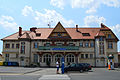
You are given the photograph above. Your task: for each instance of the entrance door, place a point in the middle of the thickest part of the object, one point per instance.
(22, 61)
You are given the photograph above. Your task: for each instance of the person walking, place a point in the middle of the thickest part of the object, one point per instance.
(58, 65)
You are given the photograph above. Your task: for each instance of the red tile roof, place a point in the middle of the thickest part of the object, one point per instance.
(45, 32)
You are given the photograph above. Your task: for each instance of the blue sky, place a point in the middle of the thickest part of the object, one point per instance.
(85, 13)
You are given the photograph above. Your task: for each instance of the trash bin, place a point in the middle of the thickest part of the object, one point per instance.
(5, 63)
(1, 63)
(9, 64)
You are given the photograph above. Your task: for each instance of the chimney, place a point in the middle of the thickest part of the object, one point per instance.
(20, 31)
(77, 28)
(33, 29)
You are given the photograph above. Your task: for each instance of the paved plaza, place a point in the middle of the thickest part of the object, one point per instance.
(22, 73)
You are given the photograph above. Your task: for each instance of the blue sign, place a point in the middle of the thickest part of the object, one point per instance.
(58, 48)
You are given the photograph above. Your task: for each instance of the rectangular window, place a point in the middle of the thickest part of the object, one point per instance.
(22, 47)
(6, 57)
(16, 55)
(35, 58)
(71, 44)
(59, 44)
(12, 45)
(110, 45)
(35, 45)
(92, 44)
(101, 47)
(47, 44)
(101, 39)
(109, 35)
(91, 56)
(81, 44)
(7, 45)
(86, 55)
(82, 55)
(86, 44)
(17, 45)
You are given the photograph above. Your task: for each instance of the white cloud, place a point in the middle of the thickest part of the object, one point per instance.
(116, 28)
(7, 22)
(27, 10)
(58, 3)
(93, 20)
(43, 18)
(90, 5)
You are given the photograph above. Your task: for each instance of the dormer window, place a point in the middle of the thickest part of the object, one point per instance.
(85, 34)
(59, 34)
(109, 35)
(38, 34)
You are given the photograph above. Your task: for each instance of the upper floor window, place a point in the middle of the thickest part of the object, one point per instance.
(59, 44)
(59, 34)
(92, 44)
(7, 55)
(22, 47)
(12, 45)
(35, 45)
(91, 56)
(110, 45)
(101, 47)
(101, 39)
(7, 45)
(47, 44)
(17, 45)
(86, 44)
(71, 44)
(109, 35)
(81, 44)
(82, 55)
(86, 55)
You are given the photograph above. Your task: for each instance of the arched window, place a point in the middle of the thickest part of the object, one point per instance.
(46, 57)
(70, 58)
(58, 56)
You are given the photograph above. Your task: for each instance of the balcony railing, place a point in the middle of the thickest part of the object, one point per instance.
(58, 48)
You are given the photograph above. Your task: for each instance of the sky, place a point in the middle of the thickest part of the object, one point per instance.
(40, 13)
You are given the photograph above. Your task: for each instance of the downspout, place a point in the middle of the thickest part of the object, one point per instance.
(95, 53)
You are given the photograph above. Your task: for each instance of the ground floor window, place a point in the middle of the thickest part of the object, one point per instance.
(46, 58)
(6, 57)
(35, 58)
(70, 58)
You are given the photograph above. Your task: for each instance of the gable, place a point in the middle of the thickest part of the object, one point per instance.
(59, 32)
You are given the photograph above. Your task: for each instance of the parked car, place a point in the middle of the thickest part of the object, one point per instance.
(86, 66)
(74, 67)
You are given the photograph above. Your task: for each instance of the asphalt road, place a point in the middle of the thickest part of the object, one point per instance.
(95, 74)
